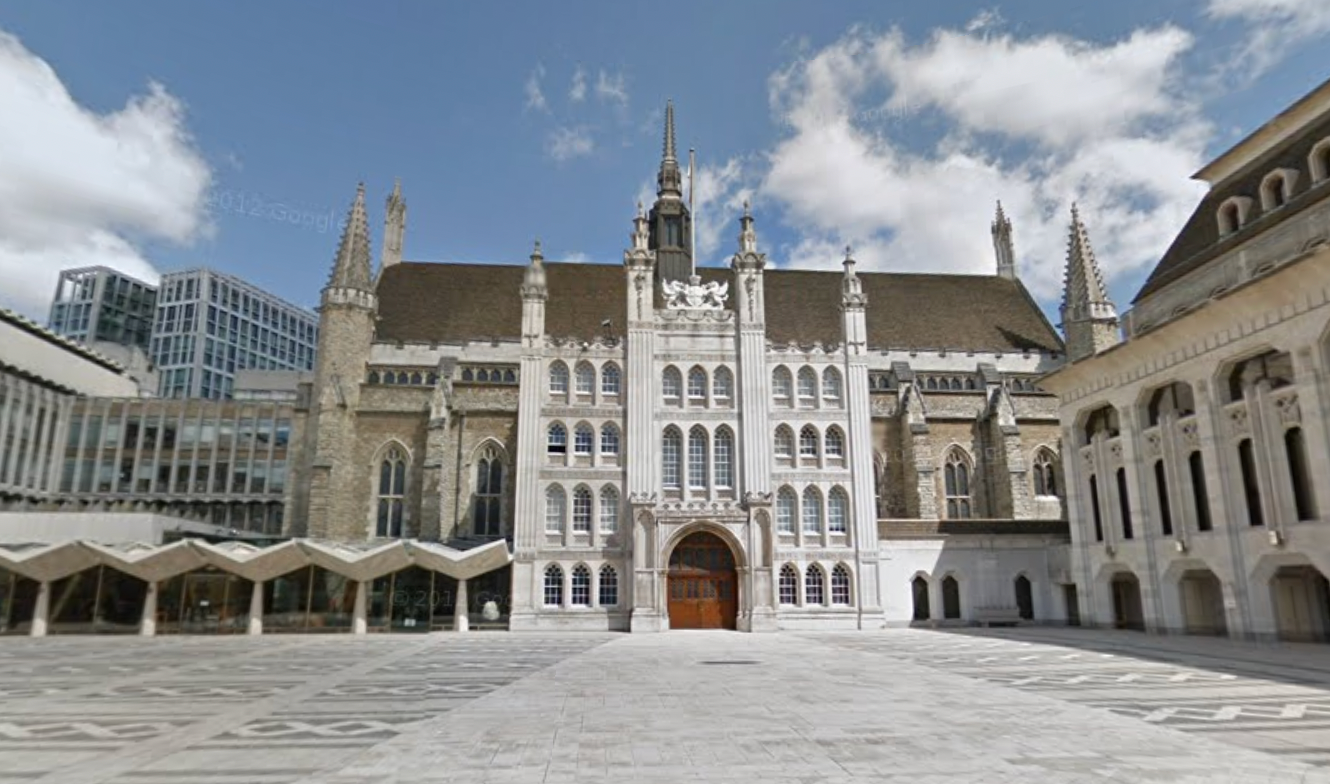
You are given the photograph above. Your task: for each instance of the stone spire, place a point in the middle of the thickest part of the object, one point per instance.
(1089, 319)
(394, 228)
(670, 180)
(1003, 247)
(747, 235)
(533, 283)
(351, 270)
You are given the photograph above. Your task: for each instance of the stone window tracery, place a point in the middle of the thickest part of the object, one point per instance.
(786, 508)
(610, 379)
(831, 387)
(556, 509)
(558, 378)
(784, 448)
(582, 510)
(840, 585)
(956, 482)
(724, 458)
(586, 378)
(807, 388)
(671, 455)
(609, 440)
(609, 509)
(697, 458)
(782, 386)
(609, 586)
(671, 386)
(697, 386)
(835, 444)
(812, 511)
(814, 586)
(392, 494)
(789, 585)
(808, 443)
(584, 439)
(487, 500)
(553, 586)
(722, 386)
(556, 441)
(838, 510)
(580, 595)
(1045, 477)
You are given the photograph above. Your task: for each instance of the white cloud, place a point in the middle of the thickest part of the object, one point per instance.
(535, 96)
(612, 88)
(565, 143)
(718, 203)
(79, 188)
(577, 93)
(1276, 25)
(1037, 122)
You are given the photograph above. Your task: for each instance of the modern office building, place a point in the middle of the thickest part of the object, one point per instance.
(210, 325)
(101, 304)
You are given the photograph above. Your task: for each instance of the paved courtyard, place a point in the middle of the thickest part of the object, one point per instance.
(926, 707)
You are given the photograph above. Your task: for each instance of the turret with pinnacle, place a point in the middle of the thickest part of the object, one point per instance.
(1003, 247)
(394, 228)
(1089, 319)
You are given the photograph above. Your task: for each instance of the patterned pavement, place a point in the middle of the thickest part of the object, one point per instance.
(1035, 706)
(1273, 698)
(248, 710)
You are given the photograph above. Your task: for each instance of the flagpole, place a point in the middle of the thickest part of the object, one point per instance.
(692, 216)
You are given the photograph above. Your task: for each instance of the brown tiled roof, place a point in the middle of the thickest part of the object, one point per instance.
(429, 302)
(1199, 243)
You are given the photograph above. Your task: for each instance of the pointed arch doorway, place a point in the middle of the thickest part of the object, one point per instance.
(703, 584)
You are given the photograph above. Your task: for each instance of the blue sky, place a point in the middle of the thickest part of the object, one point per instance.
(162, 135)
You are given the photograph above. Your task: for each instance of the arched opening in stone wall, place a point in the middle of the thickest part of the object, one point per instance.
(1128, 610)
(951, 598)
(1202, 603)
(1302, 604)
(1024, 597)
(919, 589)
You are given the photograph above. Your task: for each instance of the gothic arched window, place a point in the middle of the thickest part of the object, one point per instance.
(586, 378)
(814, 585)
(834, 446)
(556, 509)
(697, 386)
(840, 585)
(487, 500)
(831, 386)
(722, 386)
(609, 586)
(392, 494)
(609, 440)
(609, 380)
(580, 596)
(609, 509)
(558, 379)
(584, 439)
(553, 586)
(582, 510)
(838, 510)
(1045, 479)
(782, 386)
(556, 442)
(784, 443)
(787, 504)
(808, 443)
(671, 385)
(671, 449)
(807, 388)
(789, 585)
(812, 511)
(697, 458)
(723, 457)
(956, 479)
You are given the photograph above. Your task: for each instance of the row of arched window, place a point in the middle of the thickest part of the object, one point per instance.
(586, 510)
(716, 389)
(809, 513)
(807, 389)
(813, 445)
(403, 378)
(584, 440)
(583, 386)
(580, 590)
(485, 375)
(813, 588)
(1276, 190)
(703, 461)
(949, 383)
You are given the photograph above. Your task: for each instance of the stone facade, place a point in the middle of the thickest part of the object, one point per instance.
(1197, 453)
(796, 453)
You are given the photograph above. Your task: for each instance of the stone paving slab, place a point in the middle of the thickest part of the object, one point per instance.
(806, 708)
(1024, 705)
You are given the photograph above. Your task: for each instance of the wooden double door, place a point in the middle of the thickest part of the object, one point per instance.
(703, 584)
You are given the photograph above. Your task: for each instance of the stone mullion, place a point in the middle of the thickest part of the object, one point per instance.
(11, 388)
(1174, 471)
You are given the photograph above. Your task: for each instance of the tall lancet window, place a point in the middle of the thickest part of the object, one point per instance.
(392, 494)
(671, 447)
(486, 502)
(724, 457)
(956, 478)
(697, 458)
